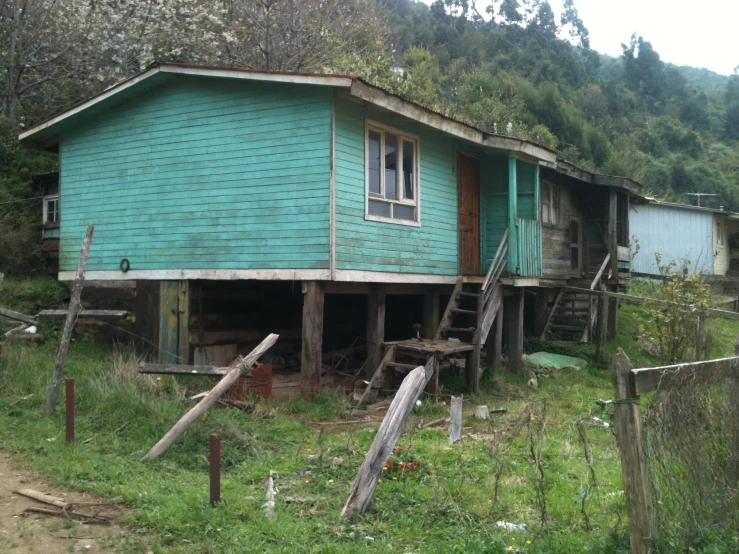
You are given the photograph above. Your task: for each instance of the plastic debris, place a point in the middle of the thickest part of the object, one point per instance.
(512, 527)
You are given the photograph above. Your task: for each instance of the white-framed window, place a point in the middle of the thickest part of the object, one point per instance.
(392, 175)
(550, 203)
(51, 209)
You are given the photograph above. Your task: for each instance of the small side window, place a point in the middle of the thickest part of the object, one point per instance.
(51, 209)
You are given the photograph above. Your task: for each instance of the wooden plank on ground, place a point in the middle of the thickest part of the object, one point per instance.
(364, 486)
(84, 313)
(455, 420)
(182, 369)
(10, 314)
(679, 375)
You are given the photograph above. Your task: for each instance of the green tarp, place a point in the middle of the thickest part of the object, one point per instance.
(548, 362)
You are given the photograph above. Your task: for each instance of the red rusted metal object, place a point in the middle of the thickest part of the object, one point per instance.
(259, 382)
(215, 469)
(70, 410)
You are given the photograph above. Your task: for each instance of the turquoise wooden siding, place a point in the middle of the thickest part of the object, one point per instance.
(379, 246)
(494, 205)
(529, 248)
(201, 174)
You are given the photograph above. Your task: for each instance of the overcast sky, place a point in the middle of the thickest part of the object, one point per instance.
(701, 33)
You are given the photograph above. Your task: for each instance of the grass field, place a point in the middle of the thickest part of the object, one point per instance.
(526, 466)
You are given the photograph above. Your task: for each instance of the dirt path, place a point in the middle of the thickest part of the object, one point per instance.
(41, 534)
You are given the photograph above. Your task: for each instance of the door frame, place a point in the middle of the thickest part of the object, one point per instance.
(479, 214)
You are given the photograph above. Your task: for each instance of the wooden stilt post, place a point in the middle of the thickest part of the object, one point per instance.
(613, 306)
(169, 322)
(495, 340)
(183, 334)
(312, 347)
(633, 446)
(375, 328)
(514, 322)
(74, 308)
(431, 311)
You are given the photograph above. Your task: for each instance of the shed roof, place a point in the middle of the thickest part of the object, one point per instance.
(659, 203)
(46, 133)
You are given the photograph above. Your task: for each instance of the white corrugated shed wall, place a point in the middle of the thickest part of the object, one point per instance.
(676, 233)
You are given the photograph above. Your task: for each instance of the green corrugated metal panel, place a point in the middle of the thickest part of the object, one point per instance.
(529, 248)
(202, 174)
(526, 179)
(513, 249)
(365, 245)
(494, 198)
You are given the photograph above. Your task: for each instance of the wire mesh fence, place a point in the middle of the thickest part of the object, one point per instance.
(692, 434)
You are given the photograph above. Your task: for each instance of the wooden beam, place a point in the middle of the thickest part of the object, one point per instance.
(74, 307)
(375, 327)
(446, 319)
(312, 337)
(392, 425)
(602, 323)
(495, 341)
(611, 233)
(598, 275)
(640, 300)
(5, 312)
(243, 367)
(182, 369)
(377, 375)
(633, 446)
(679, 375)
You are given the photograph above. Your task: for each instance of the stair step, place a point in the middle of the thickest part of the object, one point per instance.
(567, 328)
(461, 311)
(402, 366)
(460, 329)
(568, 310)
(473, 294)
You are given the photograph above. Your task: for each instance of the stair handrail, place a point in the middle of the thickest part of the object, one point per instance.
(600, 272)
(496, 260)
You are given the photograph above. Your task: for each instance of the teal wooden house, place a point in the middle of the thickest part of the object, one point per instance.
(244, 202)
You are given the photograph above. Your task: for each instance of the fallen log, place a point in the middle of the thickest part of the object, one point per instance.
(242, 367)
(71, 514)
(182, 369)
(364, 486)
(45, 498)
(10, 314)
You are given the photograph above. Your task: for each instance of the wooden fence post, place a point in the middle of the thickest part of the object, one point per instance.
(632, 443)
(602, 324)
(74, 307)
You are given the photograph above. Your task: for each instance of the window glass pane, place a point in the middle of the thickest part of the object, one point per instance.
(379, 208)
(374, 161)
(408, 169)
(391, 166)
(407, 213)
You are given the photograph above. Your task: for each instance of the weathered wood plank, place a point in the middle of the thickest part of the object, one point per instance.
(387, 436)
(182, 369)
(455, 419)
(632, 443)
(74, 307)
(550, 319)
(680, 375)
(514, 323)
(183, 322)
(375, 326)
(598, 275)
(10, 314)
(448, 316)
(243, 367)
(377, 376)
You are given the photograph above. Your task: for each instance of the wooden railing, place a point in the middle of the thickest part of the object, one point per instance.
(528, 248)
(491, 293)
(593, 301)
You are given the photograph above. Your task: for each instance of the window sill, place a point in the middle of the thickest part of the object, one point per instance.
(380, 219)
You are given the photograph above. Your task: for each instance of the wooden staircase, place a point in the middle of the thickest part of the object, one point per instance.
(572, 317)
(464, 327)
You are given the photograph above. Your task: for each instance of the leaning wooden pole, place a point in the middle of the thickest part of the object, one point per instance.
(633, 445)
(392, 426)
(243, 366)
(74, 307)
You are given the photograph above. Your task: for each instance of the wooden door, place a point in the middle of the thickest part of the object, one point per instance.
(576, 246)
(469, 215)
